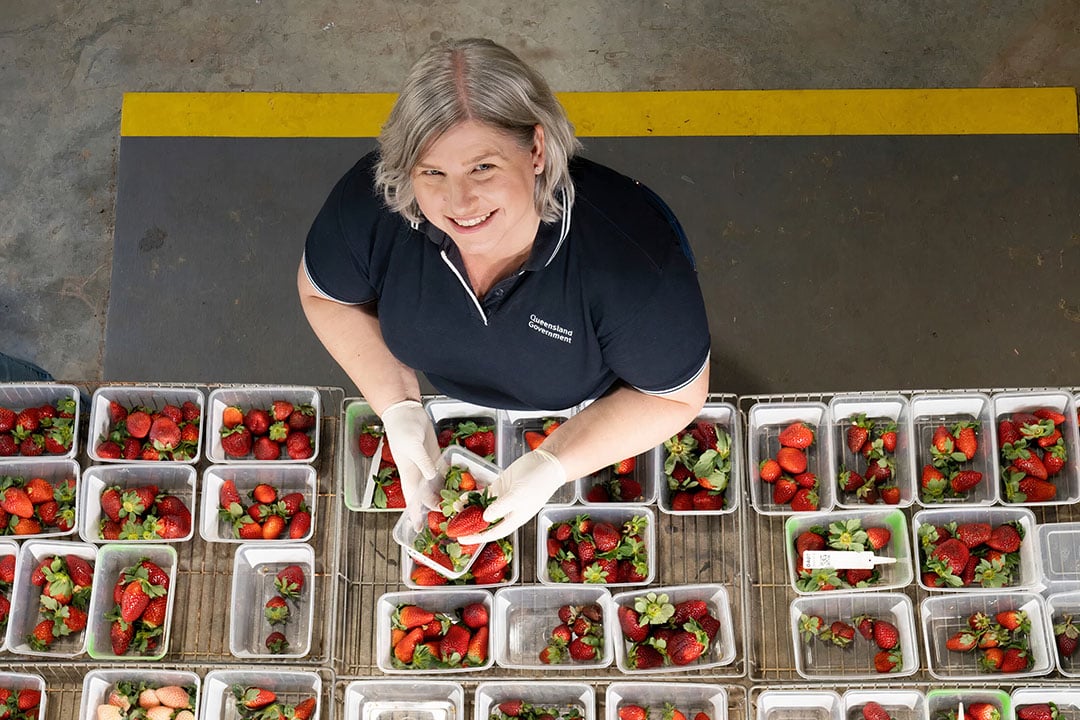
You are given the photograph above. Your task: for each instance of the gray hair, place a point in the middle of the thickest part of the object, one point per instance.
(474, 79)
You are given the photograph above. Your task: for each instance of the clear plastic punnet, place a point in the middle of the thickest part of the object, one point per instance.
(765, 423)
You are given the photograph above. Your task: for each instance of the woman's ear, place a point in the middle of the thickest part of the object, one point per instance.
(538, 148)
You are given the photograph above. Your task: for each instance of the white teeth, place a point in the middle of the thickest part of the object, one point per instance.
(473, 222)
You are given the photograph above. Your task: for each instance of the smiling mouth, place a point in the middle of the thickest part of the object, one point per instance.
(472, 222)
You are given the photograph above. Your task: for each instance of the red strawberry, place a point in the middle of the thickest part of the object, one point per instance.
(966, 440)
(886, 661)
(597, 494)
(7, 419)
(1031, 465)
(369, 442)
(80, 571)
(784, 490)
(257, 421)
(41, 637)
(808, 540)
(791, 460)
(534, 439)
(707, 500)
(805, 500)
(467, 522)
(8, 446)
(305, 709)
(890, 495)
(39, 490)
(1038, 711)
(15, 501)
(682, 501)
(886, 635)
(606, 536)
(236, 441)
(973, 534)
(164, 434)
(878, 537)
(964, 480)
(474, 615)
(281, 410)
(272, 527)
(850, 481)
(874, 711)
(796, 435)
(253, 698)
(641, 656)
(290, 581)
(154, 615)
(138, 424)
(952, 555)
(689, 610)
(583, 649)
(28, 421)
(454, 644)
(512, 708)
(266, 449)
(298, 445)
(858, 433)
(1013, 620)
(478, 647)
(1033, 490)
(982, 711)
(302, 418)
(631, 626)
(481, 442)
(7, 569)
(633, 712)
(1004, 538)
(624, 467)
(300, 525)
(769, 470)
(133, 601)
(1015, 660)
(686, 646)
(121, 635)
(426, 577)
(492, 558)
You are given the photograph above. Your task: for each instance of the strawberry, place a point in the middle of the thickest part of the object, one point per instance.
(606, 536)
(962, 641)
(808, 540)
(8, 445)
(407, 617)
(633, 712)
(966, 440)
(290, 581)
(840, 633)
(480, 439)
(1038, 711)
(474, 615)
(426, 577)
(874, 711)
(478, 647)
(943, 442)
(1066, 636)
(865, 625)
(982, 711)
(850, 481)
(624, 467)
(1013, 620)
(1033, 490)
(952, 556)
(253, 698)
(796, 435)
(469, 521)
(80, 571)
(784, 490)
(1031, 465)
(7, 419)
(973, 534)
(858, 433)
(454, 644)
(689, 610)
(791, 460)
(28, 699)
(42, 636)
(534, 439)
(886, 661)
(629, 622)
(1004, 538)
(512, 708)
(39, 490)
(642, 656)
(121, 635)
(963, 480)
(7, 569)
(257, 421)
(266, 449)
(1015, 660)
(583, 649)
(878, 537)
(769, 470)
(27, 421)
(305, 709)
(236, 441)
(164, 434)
(369, 440)
(264, 493)
(281, 410)
(300, 525)
(886, 635)
(133, 602)
(272, 527)
(302, 418)
(138, 424)
(154, 615)
(626, 489)
(707, 500)
(686, 646)
(298, 445)
(276, 610)
(15, 501)
(805, 500)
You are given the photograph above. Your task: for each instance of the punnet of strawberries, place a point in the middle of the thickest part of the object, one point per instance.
(1033, 454)
(422, 639)
(491, 567)
(979, 710)
(281, 431)
(584, 550)
(660, 633)
(787, 472)
(845, 535)
(131, 699)
(1038, 711)
(148, 434)
(142, 512)
(882, 634)
(867, 473)
(697, 467)
(66, 582)
(1000, 643)
(967, 554)
(950, 473)
(577, 638)
(253, 702)
(35, 505)
(35, 431)
(477, 435)
(137, 618)
(290, 589)
(265, 512)
(19, 703)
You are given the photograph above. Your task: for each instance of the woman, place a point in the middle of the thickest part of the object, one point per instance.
(475, 247)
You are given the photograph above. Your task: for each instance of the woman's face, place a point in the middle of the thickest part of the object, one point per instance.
(475, 183)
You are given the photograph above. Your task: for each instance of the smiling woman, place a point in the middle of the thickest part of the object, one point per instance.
(476, 246)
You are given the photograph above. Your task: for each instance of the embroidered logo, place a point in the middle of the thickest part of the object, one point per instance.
(552, 330)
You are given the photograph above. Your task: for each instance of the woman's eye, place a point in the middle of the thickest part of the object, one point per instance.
(431, 173)
(484, 166)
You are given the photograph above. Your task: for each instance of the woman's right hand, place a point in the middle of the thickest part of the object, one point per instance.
(413, 444)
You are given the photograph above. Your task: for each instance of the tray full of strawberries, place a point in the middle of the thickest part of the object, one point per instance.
(976, 549)
(145, 424)
(875, 453)
(700, 467)
(258, 502)
(39, 498)
(673, 628)
(263, 424)
(133, 600)
(143, 502)
(537, 627)
(150, 694)
(954, 449)
(39, 420)
(1038, 447)
(258, 693)
(611, 545)
(434, 631)
(789, 458)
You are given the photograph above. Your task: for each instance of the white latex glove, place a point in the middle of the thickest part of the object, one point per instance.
(414, 446)
(521, 490)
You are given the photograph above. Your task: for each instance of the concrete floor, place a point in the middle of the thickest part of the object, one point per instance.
(65, 65)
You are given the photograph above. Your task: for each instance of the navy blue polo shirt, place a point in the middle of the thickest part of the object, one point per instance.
(607, 294)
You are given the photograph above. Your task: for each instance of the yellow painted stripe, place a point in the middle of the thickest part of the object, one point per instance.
(964, 111)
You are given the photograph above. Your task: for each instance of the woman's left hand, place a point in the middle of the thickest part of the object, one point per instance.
(520, 491)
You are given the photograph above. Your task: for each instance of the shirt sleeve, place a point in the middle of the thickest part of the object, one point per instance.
(339, 246)
(664, 343)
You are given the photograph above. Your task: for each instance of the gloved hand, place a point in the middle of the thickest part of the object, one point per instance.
(521, 490)
(412, 441)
